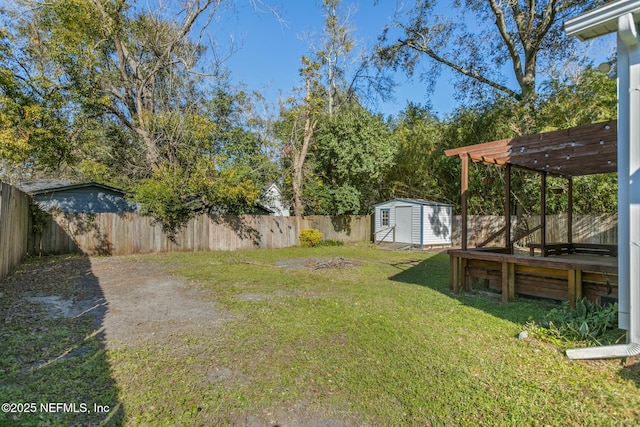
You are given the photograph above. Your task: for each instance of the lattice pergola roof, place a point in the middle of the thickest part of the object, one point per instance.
(583, 150)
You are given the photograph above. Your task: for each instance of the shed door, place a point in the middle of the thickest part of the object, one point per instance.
(403, 224)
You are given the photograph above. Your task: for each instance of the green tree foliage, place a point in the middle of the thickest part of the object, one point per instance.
(589, 97)
(14, 105)
(334, 56)
(117, 94)
(469, 126)
(417, 134)
(324, 90)
(174, 194)
(34, 127)
(321, 123)
(296, 127)
(422, 170)
(353, 150)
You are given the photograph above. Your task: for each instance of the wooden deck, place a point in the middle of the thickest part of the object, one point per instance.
(562, 277)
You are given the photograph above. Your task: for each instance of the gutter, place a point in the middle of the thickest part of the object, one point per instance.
(600, 21)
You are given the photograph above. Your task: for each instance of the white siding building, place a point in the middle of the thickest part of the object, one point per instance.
(413, 221)
(273, 201)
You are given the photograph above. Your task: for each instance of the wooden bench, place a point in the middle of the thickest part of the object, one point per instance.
(573, 248)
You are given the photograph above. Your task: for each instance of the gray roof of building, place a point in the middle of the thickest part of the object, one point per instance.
(54, 185)
(416, 202)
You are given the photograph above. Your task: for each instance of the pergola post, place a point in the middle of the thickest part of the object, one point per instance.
(507, 208)
(543, 210)
(570, 211)
(464, 193)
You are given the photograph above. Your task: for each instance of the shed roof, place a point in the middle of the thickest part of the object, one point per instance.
(34, 185)
(44, 189)
(583, 150)
(415, 202)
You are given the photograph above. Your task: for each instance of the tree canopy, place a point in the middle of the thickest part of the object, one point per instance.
(109, 91)
(122, 93)
(525, 37)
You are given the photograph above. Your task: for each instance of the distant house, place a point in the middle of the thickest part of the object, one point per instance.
(89, 197)
(272, 202)
(414, 221)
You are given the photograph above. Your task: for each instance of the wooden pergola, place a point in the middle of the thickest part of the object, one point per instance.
(583, 150)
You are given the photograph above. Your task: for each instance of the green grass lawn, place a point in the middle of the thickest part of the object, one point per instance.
(382, 343)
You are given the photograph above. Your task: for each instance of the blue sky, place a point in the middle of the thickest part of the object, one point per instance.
(270, 51)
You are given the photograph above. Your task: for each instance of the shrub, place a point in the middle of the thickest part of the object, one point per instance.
(588, 322)
(310, 237)
(38, 218)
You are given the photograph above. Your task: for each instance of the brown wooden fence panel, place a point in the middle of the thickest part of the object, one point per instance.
(344, 228)
(123, 234)
(14, 227)
(587, 228)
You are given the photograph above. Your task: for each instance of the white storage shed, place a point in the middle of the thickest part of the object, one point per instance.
(413, 221)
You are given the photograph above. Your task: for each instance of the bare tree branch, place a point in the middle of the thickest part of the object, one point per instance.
(424, 48)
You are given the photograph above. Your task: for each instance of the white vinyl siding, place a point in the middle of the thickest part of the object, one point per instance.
(430, 222)
(437, 225)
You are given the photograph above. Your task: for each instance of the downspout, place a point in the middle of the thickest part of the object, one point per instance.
(628, 197)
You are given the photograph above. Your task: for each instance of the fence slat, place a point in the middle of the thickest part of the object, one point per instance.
(15, 227)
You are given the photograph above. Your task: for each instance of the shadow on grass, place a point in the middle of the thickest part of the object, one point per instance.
(433, 273)
(54, 368)
(631, 372)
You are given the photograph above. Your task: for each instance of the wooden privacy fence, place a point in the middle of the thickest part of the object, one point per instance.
(124, 234)
(587, 228)
(14, 227)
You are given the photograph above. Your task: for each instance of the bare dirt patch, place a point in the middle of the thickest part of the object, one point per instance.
(318, 263)
(146, 302)
(133, 303)
(130, 301)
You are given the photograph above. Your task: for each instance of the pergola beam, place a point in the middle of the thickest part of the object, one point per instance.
(584, 150)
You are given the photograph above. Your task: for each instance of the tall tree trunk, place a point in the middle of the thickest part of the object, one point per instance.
(299, 152)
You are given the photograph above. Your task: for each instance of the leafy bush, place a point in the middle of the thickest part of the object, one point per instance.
(173, 195)
(38, 218)
(589, 321)
(310, 237)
